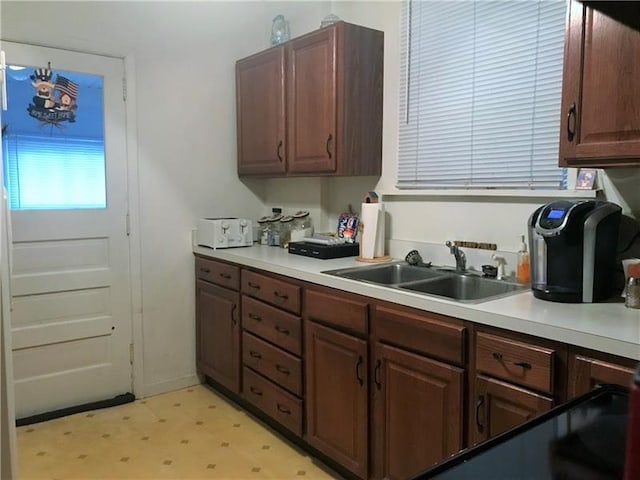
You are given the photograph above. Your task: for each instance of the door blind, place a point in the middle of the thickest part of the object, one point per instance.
(480, 95)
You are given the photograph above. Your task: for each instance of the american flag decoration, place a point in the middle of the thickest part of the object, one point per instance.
(53, 103)
(64, 85)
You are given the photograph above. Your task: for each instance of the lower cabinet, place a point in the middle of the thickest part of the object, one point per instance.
(336, 396)
(218, 334)
(417, 412)
(587, 372)
(385, 391)
(273, 400)
(501, 406)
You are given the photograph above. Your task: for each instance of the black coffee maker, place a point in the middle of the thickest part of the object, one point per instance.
(573, 250)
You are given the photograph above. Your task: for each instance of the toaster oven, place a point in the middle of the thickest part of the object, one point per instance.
(224, 232)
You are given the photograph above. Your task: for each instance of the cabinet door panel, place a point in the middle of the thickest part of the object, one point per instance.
(601, 94)
(218, 334)
(501, 406)
(260, 103)
(418, 412)
(589, 372)
(336, 396)
(312, 103)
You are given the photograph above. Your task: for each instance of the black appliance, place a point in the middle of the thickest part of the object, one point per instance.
(572, 247)
(583, 439)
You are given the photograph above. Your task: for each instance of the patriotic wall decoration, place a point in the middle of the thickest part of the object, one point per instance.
(53, 102)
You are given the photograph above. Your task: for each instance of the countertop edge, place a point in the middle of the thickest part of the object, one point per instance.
(582, 325)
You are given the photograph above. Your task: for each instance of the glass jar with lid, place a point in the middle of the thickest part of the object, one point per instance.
(285, 231)
(274, 230)
(302, 226)
(263, 231)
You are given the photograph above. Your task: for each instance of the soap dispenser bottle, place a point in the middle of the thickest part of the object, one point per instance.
(523, 274)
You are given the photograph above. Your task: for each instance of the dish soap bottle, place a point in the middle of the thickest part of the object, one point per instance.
(523, 271)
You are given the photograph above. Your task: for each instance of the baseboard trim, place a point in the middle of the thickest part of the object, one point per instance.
(63, 412)
(169, 385)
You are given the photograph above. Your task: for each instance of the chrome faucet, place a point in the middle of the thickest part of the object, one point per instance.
(461, 258)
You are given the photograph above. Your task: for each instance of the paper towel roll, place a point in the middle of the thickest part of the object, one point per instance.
(372, 240)
(379, 248)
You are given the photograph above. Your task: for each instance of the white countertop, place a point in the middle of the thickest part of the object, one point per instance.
(606, 327)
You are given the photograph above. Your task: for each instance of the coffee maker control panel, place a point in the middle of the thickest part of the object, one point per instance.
(554, 217)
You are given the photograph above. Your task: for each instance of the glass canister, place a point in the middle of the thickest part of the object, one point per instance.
(632, 298)
(302, 226)
(263, 231)
(274, 230)
(285, 231)
(279, 30)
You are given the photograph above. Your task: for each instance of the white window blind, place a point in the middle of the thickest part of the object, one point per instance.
(480, 94)
(43, 172)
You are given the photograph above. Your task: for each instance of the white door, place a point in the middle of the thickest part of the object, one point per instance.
(66, 172)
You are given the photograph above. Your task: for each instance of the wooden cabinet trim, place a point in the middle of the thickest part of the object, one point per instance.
(338, 310)
(521, 363)
(218, 335)
(273, 400)
(493, 397)
(422, 332)
(586, 372)
(220, 273)
(277, 365)
(418, 412)
(280, 328)
(279, 293)
(336, 392)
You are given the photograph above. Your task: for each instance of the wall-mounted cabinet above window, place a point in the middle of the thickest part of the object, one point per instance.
(601, 91)
(312, 106)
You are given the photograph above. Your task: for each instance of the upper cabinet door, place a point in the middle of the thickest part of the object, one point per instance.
(601, 91)
(312, 102)
(260, 96)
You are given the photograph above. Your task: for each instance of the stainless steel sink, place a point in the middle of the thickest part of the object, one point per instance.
(466, 288)
(388, 274)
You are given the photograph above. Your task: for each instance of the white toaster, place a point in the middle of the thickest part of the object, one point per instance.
(224, 232)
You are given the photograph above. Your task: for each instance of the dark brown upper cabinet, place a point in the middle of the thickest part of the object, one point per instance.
(601, 92)
(312, 106)
(260, 97)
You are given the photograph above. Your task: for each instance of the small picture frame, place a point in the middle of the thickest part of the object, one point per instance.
(586, 179)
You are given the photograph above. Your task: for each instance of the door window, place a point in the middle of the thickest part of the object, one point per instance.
(53, 139)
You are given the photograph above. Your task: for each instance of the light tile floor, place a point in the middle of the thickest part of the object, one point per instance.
(188, 434)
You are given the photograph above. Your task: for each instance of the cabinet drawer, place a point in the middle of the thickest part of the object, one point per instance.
(278, 327)
(421, 332)
(217, 272)
(522, 363)
(339, 311)
(275, 364)
(276, 292)
(272, 400)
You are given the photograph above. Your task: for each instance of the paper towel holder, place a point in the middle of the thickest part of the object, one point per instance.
(359, 258)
